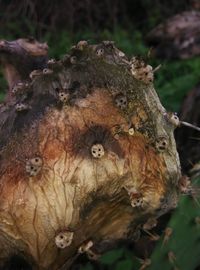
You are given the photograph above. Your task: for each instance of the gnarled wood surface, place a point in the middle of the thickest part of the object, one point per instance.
(87, 156)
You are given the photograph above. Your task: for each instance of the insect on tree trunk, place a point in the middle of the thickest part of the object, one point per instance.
(87, 153)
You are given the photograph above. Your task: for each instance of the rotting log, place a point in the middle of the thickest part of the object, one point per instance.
(87, 157)
(177, 37)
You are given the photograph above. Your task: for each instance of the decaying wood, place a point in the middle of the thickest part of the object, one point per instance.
(177, 37)
(87, 157)
(18, 58)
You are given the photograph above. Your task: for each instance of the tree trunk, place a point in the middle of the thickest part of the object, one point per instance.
(87, 157)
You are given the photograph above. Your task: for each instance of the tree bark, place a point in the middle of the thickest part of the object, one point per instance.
(87, 157)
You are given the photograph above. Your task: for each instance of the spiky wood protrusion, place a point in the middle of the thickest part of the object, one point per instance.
(73, 190)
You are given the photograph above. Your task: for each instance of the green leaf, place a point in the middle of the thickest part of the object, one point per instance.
(124, 265)
(112, 256)
(88, 266)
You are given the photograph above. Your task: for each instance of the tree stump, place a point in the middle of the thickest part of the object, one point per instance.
(87, 156)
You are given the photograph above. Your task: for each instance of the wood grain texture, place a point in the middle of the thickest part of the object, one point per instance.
(102, 200)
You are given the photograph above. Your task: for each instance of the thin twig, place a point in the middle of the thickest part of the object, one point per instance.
(189, 125)
(157, 68)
